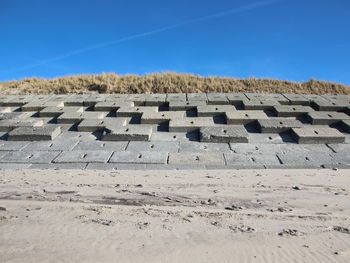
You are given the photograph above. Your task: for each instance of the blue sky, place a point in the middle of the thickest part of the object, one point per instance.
(283, 39)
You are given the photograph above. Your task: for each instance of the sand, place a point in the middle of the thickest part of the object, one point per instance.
(175, 216)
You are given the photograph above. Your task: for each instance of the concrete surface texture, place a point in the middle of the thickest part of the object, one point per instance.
(174, 131)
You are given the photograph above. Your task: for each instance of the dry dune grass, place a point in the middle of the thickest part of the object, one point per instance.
(167, 82)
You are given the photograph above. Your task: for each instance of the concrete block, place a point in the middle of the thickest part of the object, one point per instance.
(91, 125)
(183, 106)
(139, 157)
(116, 166)
(267, 138)
(251, 160)
(58, 166)
(39, 105)
(337, 148)
(236, 98)
(14, 166)
(76, 117)
(134, 111)
(267, 97)
(19, 100)
(176, 97)
(29, 157)
(277, 125)
(57, 111)
(76, 100)
(128, 133)
(217, 99)
(244, 117)
(326, 117)
(189, 158)
(153, 146)
(345, 125)
(5, 109)
(117, 97)
(197, 97)
(291, 110)
(170, 136)
(155, 99)
(330, 105)
(314, 134)
(92, 99)
(12, 146)
(95, 156)
(224, 134)
(260, 104)
(112, 105)
(138, 99)
(161, 116)
(204, 147)
(297, 99)
(90, 145)
(302, 160)
(15, 115)
(43, 133)
(157, 167)
(56, 145)
(213, 110)
(342, 159)
(190, 124)
(9, 125)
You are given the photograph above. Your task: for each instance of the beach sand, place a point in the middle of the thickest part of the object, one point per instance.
(175, 216)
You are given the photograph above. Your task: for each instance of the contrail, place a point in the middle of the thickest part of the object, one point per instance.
(148, 33)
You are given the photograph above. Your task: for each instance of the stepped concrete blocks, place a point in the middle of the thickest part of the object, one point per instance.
(57, 111)
(44, 133)
(260, 104)
(112, 105)
(277, 125)
(213, 110)
(330, 105)
(188, 158)
(224, 134)
(92, 99)
(217, 99)
(190, 124)
(314, 134)
(91, 125)
(326, 117)
(128, 133)
(291, 110)
(244, 117)
(95, 156)
(236, 98)
(136, 111)
(296, 99)
(142, 157)
(19, 100)
(76, 100)
(153, 146)
(161, 116)
(155, 99)
(197, 97)
(176, 97)
(185, 105)
(39, 105)
(9, 125)
(76, 117)
(138, 99)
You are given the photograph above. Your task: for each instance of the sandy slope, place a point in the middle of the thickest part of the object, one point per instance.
(175, 216)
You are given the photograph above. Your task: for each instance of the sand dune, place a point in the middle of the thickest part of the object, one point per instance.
(175, 216)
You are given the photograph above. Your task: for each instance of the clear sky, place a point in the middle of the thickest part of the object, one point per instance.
(283, 39)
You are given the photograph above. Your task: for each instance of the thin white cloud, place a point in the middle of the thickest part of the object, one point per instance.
(229, 12)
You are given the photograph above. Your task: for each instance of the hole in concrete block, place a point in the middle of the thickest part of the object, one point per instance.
(50, 144)
(307, 159)
(126, 130)
(139, 156)
(253, 159)
(316, 132)
(247, 115)
(192, 122)
(30, 156)
(224, 131)
(281, 122)
(205, 147)
(216, 109)
(270, 138)
(163, 115)
(294, 109)
(137, 109)
(174, 137)
(103, 144)
(152, 146)
(329, 115)
(197, 158)
(83, 156)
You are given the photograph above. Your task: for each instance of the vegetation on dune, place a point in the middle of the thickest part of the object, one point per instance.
(167, 82)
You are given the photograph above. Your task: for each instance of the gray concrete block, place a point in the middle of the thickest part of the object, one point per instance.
(76, 117)
(171, 136)
(44, 133)
(155, 99)
(213, 110)
(217, 98)
(244, 117)
(330, 105)
(326, 117)
(92, 99)
(260, 104)
(302, 160)
(157, 167)
(161, 116)
(9, 125)
(176, 97)
(153, 146)
(19, 100)
(5, 109)
(136, 111)
(251, 160)
(277, 125)
(116, 166)
(89, 145)
(29, 156)
(190, 158)
(14, 166)
(76, 100)
(190, 124)
(197, 97)
(342, 159)
(267, 97)
(343, 148)
(91, 125)
(204, 147)
(12, 146)
(187, 105)
(297, 99)
(224, 134)
(128, 133)
(112, 105)
(58, 166)
(117, 97)
(267, 138)
(291, 110)
(139, 157)
(39, 105)
(15, 115)
(236, 98)
(56, 145)
(57, 111)
(318, 134)
(345, 125)
(77, 156)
